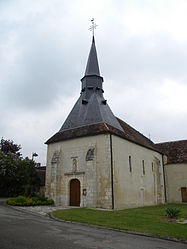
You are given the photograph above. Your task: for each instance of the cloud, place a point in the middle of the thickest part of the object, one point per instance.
(44, 47)
(37, 64)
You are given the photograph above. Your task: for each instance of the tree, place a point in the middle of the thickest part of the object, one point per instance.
(18, 176)
(8, 166)
(28, 177)
(8, 146)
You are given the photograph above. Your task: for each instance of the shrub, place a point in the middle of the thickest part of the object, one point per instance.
(50, 202)
(29, 201)
(173, 212)
(20, 200)
(17, 201)
(11, 201)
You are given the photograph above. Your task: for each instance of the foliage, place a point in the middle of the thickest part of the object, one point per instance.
(8, 146)
(173, 212)
(29, 201)
(18, 176)
(150, 220)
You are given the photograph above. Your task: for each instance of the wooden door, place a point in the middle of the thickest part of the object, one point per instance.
(74, 192)
(184, 194)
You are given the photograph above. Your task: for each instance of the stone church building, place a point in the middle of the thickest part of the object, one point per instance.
(98, 160)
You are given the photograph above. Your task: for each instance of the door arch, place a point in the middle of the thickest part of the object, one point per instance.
(74, 192)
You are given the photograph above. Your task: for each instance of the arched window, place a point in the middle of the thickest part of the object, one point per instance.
(90, 155)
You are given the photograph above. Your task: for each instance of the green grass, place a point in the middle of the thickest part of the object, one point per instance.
(151, 220)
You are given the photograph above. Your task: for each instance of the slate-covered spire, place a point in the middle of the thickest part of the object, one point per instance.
(91, 107)
(92, 67)
(92, 76)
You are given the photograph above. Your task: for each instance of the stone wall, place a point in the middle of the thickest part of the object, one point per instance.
(86, 159)
(141, 185)
(176, 178)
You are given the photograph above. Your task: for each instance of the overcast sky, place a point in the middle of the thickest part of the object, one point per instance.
(44, 46)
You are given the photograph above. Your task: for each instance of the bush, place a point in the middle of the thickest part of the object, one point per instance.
(17, 201)
(11, 201)
(173, 212)
(20, 199)
(29, 201)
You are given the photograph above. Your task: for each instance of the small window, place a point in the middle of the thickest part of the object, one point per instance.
(143, 167)
(55, 157)
(152, 167)
(130, 164)
(90, 154)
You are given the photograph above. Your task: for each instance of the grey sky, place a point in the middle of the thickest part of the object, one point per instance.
(44, 45)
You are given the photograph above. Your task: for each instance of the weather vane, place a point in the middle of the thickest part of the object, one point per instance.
(93, 26)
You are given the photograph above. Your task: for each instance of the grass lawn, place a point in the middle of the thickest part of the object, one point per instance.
(151, 220)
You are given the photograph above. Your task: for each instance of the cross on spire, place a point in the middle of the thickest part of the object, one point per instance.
(93, 26)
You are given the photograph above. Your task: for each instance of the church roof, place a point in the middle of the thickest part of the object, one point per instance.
(128, 133)
(95, 111)
(175, 150)
(135, 136)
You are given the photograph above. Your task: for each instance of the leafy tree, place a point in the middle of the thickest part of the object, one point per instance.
(18, 176)
(8, 166)
(28, 176)
(8, 146)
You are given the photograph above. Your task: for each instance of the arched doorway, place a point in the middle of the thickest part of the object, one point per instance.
(74, 192)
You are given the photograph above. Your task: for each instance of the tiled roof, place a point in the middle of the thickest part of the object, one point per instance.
(135, 136)
(176, 151)
(128, 133)
(87, 130)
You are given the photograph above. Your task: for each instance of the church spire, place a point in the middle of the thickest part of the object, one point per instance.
(92, 79)
(92, 67)
(92, 76)
(91, 107)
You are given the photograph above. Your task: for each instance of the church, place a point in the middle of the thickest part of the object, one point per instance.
(97, 160)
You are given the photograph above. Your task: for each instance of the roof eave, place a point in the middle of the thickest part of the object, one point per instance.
(108, 130)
